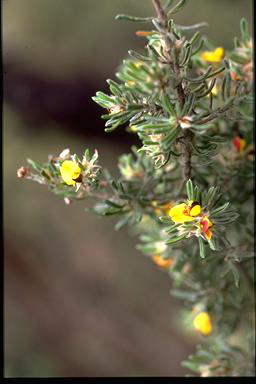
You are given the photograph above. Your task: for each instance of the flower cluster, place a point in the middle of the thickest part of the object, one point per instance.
(192, 211)
(65, 174)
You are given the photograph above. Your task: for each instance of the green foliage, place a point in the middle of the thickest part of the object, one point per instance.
(192, 111)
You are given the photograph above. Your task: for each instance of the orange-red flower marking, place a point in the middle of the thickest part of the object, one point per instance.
(239, 143)
(205, 225)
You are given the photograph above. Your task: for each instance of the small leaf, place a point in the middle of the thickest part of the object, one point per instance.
(219, 210)
(121, 223)
(177, 7)
(133, 18)
(235, 272)
(168, 105)
(165, 219)
(212, 245)
(190, 190)
(138, 56)
(244, 30)
(112, 204)
(172, 228)
(201, 247)
(175, 239)
(35, 165)
(200, 78)
(187, 54)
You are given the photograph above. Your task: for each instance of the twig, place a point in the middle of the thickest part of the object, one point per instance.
(187, 135)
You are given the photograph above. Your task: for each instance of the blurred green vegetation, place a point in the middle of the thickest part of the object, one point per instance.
(79, 299)
(62, 38)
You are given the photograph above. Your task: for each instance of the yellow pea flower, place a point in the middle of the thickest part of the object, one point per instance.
(70, 172)
(161, 262)
(185, 212)
(213, 56)
(202, 322)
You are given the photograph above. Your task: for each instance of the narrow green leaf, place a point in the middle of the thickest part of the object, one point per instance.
(168, 105)
(217, 72)
(112, 128)
(138, 56)
(103, 96)
(235, 272)
(212, 245)
(219, 210)
(35, 165)
(193, 26)
(200, 46)
(175, 239)
(121, 223)
(165, 219)
(187, 54)
(172, 228)
(182, 294)
(208, 89)
(197, 195)
(133, 18)
(200, 78)
(45, 174)
(168, 4)
(177, 7)
(114, 88)
(190, 189)
(112, 204)
(201, 247)
(194, 38)
(244, 30)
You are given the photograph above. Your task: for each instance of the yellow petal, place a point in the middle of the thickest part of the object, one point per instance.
(213, 56)
(208, 234)
(69, 171)
(177, 214)
(180, 218)
(202, 322)
(195, 211)
(215, 90)
(219, 52)
(242, 145)
(177, 209)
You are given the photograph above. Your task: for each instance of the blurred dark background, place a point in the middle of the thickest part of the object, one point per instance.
(79, 299)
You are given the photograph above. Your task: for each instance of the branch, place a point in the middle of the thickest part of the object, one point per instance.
(186, 151)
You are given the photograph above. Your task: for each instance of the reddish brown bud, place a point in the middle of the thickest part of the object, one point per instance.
(22, 172)
(143, 33)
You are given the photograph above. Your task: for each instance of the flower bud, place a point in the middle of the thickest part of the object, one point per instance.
(64, 154)
(67, 200)
(185, 122)
(22, 172)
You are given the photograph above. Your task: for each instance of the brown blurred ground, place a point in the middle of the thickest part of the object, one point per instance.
(79, 299)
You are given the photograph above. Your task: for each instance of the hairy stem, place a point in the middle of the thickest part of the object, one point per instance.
(187, 135)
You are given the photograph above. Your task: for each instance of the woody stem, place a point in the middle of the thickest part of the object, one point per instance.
(186, 150)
